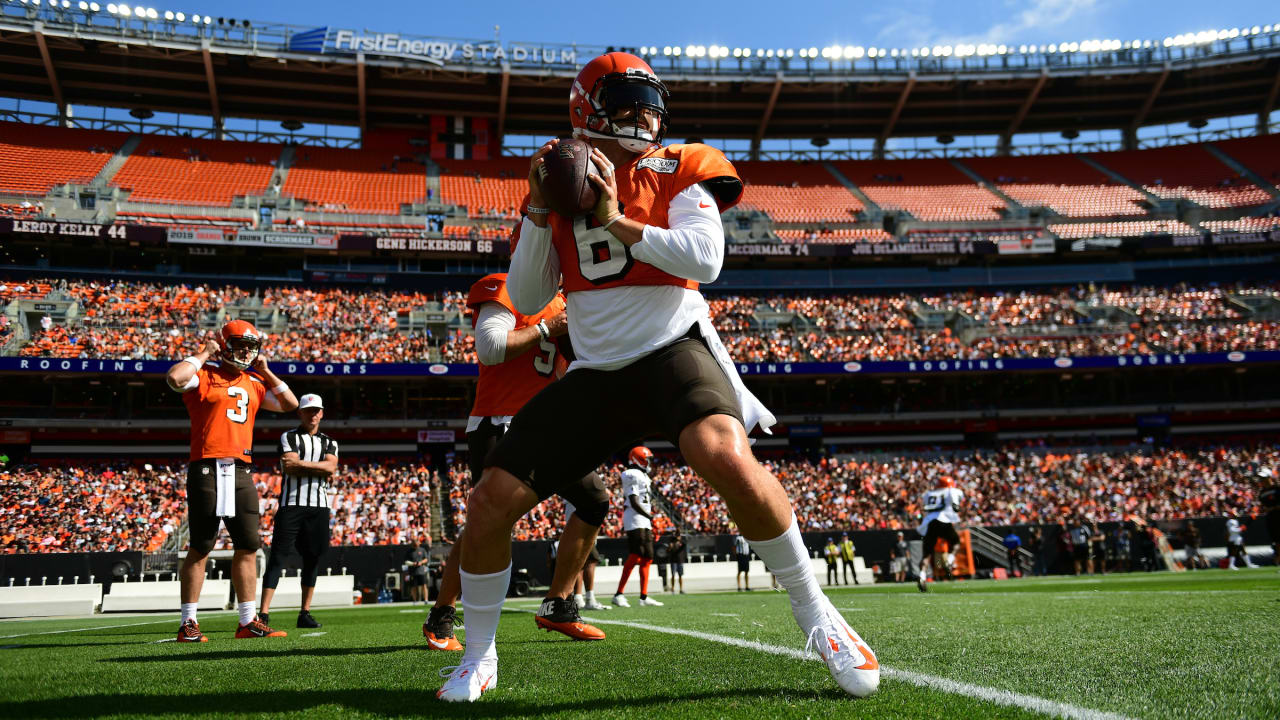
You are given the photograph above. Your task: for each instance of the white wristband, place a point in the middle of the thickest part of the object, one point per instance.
(612, 220)
(279, 389)
(196, 362)
(543, 330)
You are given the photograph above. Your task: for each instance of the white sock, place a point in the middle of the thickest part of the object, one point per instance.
(789, 560)
(482, 598)
(589, 596)
(248, 610)
(189, 611)
(579, 600)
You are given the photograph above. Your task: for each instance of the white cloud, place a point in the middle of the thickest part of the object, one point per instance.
(1025, 21)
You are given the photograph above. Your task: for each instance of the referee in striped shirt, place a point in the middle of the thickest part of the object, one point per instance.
(308, 458)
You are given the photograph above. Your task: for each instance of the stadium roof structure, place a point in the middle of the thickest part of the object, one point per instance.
(79, 53)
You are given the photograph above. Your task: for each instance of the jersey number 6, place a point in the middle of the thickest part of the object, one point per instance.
(602, 258)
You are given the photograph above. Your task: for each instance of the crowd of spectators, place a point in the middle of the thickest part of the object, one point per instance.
(89, 507)
(125, 505)
(1003, 487)
(144, 321)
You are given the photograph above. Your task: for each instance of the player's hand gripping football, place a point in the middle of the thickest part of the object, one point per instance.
(535, 182)
(606, 184)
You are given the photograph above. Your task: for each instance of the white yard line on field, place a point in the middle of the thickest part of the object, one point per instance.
(101, 627)
(314, 634)
(997, 696)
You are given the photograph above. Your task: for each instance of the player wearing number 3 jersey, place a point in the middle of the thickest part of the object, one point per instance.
(648, 361)
(223, 397)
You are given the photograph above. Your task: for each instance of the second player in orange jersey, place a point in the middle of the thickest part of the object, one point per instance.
(519, 356)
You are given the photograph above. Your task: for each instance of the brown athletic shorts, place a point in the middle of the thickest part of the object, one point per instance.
(202, 498)
(578, 422)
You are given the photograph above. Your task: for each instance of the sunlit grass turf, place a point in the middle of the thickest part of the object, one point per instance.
(1145, 645)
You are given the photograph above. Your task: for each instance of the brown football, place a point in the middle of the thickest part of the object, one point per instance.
(563, 178)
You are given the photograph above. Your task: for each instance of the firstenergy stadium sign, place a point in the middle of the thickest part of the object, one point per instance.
(439, 51)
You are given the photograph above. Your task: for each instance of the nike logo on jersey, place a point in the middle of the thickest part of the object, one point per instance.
(491, 289)
(704, 206)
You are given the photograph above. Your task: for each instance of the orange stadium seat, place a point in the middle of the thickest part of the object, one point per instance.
(1185, 171)
(34, 158)
(358, 181)
(189, 171)
(931, 190)
(1062, 183)
(1244, 224)
(793, 192)
(1131, 228)
(487, 188)
(834, 236)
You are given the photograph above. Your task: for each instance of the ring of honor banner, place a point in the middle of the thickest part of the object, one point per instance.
(901, 367)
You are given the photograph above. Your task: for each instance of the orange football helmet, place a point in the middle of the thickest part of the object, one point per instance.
(640, 457)
(240, 342)
(613, 82)
(948, 481)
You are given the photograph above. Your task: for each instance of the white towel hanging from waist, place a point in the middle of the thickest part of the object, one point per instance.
(753, 411)
(225, 479)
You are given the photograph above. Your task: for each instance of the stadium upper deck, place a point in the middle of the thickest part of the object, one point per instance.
(166, 61)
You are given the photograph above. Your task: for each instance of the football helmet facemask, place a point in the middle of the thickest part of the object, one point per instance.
(607, 86)
(241, 342)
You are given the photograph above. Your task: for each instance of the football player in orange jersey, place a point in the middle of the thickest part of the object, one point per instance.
(519, 355)
(223, 386)
(648, 361)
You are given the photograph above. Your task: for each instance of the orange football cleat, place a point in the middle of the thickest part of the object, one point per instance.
(561, 615)
(258, 629)
(189, 631)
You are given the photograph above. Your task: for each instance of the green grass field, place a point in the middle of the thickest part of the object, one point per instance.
(1146, 646)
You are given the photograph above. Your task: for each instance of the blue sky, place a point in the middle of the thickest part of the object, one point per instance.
(758, 23)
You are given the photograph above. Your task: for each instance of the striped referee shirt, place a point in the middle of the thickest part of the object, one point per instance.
(306, 490)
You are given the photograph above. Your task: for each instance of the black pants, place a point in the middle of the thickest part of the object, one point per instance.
(833, 574)
(305, 529)
(849, 567)
(938, 529)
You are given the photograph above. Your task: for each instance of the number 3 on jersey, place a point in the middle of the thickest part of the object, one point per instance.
(602, 258)
(241, 411)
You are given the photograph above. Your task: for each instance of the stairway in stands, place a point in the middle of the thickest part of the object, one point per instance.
(116, 162)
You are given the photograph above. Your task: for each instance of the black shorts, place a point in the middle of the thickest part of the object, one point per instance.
(744, 563)
(577, 422)
(1273, 525)
(202, 503)
(640, 542)
(588, 493)
(938, 529)
(305, 529)
(1081, 552)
